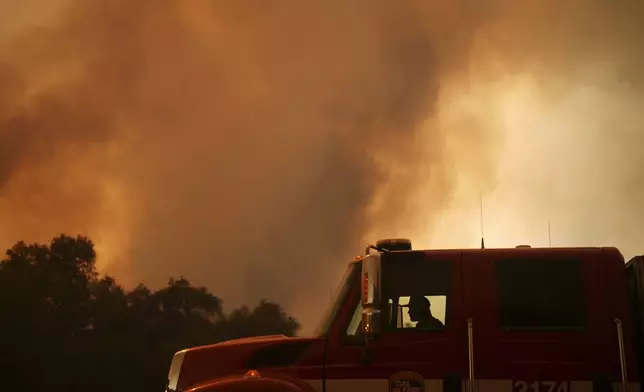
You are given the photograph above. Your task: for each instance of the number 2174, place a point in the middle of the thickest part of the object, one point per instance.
(540, 386)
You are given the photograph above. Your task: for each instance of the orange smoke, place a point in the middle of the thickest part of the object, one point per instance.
(254, 146)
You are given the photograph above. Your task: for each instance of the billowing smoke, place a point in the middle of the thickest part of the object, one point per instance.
(253, 146)
(562, 82)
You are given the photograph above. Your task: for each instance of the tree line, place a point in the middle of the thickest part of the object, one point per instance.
(65, 328)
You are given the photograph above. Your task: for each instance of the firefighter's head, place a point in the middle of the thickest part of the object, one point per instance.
(419, 308)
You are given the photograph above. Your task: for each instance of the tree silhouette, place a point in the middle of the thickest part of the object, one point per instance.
(265, 319)
(65, 329)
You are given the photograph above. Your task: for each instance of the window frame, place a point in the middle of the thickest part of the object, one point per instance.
(357, 339)
(342, 294)
(394, 258)
(581, 326)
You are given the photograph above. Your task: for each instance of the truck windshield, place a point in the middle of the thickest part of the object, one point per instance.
(337, 299)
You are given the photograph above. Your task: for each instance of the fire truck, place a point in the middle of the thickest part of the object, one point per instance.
(518, 319)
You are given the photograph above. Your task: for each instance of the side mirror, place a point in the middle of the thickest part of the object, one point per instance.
(371, 322)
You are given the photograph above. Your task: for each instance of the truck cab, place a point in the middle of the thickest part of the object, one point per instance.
(508, 320)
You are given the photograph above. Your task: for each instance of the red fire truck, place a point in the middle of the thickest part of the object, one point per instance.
(511, 320)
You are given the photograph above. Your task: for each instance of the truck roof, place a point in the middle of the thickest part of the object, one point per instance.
(611, 251)
(519, 249)
(528, 249)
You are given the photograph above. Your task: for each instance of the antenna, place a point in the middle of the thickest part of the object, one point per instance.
(549, 236)
(482, 233)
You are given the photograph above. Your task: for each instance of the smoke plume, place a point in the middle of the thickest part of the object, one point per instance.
(253, 146)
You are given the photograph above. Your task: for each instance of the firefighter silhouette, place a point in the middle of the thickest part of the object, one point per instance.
(420, 311)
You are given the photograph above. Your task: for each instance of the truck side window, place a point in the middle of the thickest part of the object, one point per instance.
(431, 313)
(541, 294)
(355, 324)
(417, 291)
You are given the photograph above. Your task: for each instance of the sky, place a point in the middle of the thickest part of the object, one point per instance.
(255, 146)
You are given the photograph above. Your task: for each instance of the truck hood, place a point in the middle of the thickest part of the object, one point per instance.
(200, 364)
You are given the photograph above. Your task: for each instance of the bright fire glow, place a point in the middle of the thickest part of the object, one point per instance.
(555, 181)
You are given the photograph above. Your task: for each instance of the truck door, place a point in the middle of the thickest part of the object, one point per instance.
(635, 285)
(539, 321)
(404, 357)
